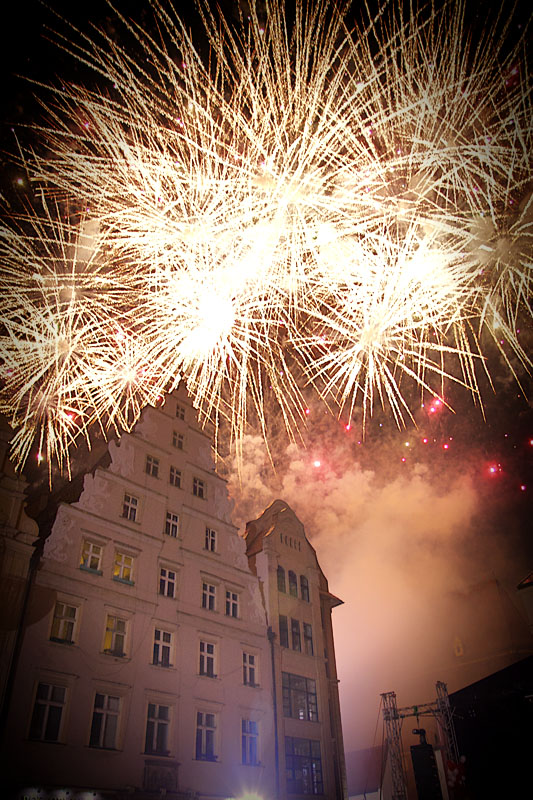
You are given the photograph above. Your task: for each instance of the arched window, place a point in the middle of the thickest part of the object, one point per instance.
(281, 580)
(293, 584)
(304, 588)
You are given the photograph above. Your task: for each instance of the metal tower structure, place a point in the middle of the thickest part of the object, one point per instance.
(393, 716)
(393, 730)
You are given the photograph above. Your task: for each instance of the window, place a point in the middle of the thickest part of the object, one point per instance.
(91, 557)
(123, 568)
(129, 507)
(47, 712)
(198, 488)
(207, 659)
(249, 741)
(293, 584)
(63, 623)
(152, 466)
(180, 411)
(249, 669)
(283, 631)
(304, 766)
(232, 604)
(105, 721)
(208, 596)
(308, 639)
(175, 477)
(157, 728)
(210, 540)
(295, 635)
(171, 524)
(162, 655)
(115, 635)
(281, 580)
(167, 582)
(177, 440)
(299, 697)
(205, 736)
(304, 588)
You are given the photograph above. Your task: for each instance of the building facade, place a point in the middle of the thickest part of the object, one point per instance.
(147, 665)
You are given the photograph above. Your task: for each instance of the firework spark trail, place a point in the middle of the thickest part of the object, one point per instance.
(308, 204)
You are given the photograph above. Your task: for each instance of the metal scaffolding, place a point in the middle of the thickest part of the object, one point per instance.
(393, 716)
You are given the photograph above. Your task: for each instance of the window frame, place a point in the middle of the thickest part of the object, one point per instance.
(119, 561)
(167, 581)
(209, 596)
(162, 646)
(281, 582)
(151, 466)
(296, 698)
(232, 604)
(296, 635)
(304, 589)
(180, 412)
(293, 583)
(174, 476)
(172, 523)
(250, 742)
(296, 762)
(105, 714)
(207, 664)
(64, 619)
(199, 487)
(47, 703)
(114, 631)
(157, 722)
(250, 671)
(210, 541)
(130, 507)
(178, 440)
(283, 630)
(309, 647)
(205, 744)
(90, 555)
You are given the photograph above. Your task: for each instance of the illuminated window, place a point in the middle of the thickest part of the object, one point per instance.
(249, 669)
(281, 580)
(180, 411)
(304, 766)
(162, 652)
(249, 738)
(171, 524)
(207, 659)
(308, 639)
(152, 466)
(304, 588)
(167, 582)
(45, 722)
(129, 507)
(177, 440)
(175, 477)
(115, 636)
(198, 488)
(283, 631)
(232, 604)
(205, 736)
(210, 540)
(293, 584)
(105, 721)
(299, 697)
(295, 635)
(157, 729)
(91, 557)
(208, 596)
(123, 568)
(64, 623)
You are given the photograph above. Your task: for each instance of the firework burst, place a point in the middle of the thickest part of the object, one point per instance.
(305, 203)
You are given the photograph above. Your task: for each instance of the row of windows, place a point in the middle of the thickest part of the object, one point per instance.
(293, 584)
(302, 756)
(123, 564)
(50, 702)
(130, 509)
(295, 635)
(115, 642)
(152, 468)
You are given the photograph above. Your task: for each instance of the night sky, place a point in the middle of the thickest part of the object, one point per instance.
(401, 519)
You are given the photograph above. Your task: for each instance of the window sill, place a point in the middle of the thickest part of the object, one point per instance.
(205, 675)
(208, 759)
(253, 685)
(92, 571)
(157, 753)
(114, 654)
(123, 580)
(62, 641)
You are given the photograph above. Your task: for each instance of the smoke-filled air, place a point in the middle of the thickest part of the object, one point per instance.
(270, 210)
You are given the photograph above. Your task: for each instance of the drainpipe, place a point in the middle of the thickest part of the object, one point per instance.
(271, 636)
